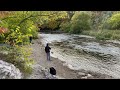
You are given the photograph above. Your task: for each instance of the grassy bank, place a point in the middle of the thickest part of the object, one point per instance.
(104, 34)
(18, 56)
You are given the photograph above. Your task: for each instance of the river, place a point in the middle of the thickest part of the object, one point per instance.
(81, 52)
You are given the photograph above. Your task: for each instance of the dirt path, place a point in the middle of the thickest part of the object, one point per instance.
(39, 56)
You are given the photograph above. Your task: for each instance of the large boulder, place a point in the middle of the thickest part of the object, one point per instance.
(9, 71)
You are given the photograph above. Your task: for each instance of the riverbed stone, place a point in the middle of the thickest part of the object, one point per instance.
(81, 73)
(89, 75)
(84, 77)
(46, 73)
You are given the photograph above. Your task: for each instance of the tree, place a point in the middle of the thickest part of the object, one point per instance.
(27, 21)
(114, 21)
(80, 21)
(70, 14)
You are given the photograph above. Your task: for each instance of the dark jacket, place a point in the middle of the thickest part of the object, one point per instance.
(30, 38)
(47, 49)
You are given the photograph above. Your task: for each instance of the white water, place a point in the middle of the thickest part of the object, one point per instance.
(77, 61)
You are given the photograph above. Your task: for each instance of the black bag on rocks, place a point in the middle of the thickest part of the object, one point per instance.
(52, 71)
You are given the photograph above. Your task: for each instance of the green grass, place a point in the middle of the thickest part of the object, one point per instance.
(18, 56)
(104, 34)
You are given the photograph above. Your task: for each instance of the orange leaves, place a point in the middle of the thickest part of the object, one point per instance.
(3, 30)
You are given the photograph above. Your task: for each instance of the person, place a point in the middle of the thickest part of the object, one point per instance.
(30, 39)
(47, 50)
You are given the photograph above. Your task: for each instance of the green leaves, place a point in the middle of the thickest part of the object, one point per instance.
(114, 21)
(80, 21)
(18, 32)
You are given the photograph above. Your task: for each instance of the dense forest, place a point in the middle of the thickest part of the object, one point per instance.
(17, 26)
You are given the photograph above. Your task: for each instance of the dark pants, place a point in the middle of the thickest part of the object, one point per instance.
(48, 56)
(30, 41)
(30, 38)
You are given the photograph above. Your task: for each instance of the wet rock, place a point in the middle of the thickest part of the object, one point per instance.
(47, 74)
(84, 77)
(69, 46)
(9, 71)
(108, 62)
(70, 66)
(64, 50)
(62, 45)
(89, 75)
(57, 43)
(81, 73)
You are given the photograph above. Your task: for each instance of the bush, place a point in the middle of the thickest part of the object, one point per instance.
(18, 56)
(75, 29)
(89, 32)
(80, 21)
(104, 34)
(65, 26)
(114, 21)
(100, 37)
(2, 37)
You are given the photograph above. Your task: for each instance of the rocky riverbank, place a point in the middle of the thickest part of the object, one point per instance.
(85, 52)
(64, 71)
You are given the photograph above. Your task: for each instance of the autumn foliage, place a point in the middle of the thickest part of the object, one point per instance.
(3, 30)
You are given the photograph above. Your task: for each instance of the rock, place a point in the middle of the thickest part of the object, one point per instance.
(64, 50)
(89, 75)
(47, 74)
(9, 71)
(70, 66)
(61, 45)
(84, 77)
(81, 74)
(108, 62)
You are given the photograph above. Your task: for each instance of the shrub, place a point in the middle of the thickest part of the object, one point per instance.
(104, 34)
(114, 21)
(19, 56)
(80, 21)
(65, 26)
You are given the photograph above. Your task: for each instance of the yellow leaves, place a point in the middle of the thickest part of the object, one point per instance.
(53, 24)
(29, 29)
(114, 21)
(28, 35)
